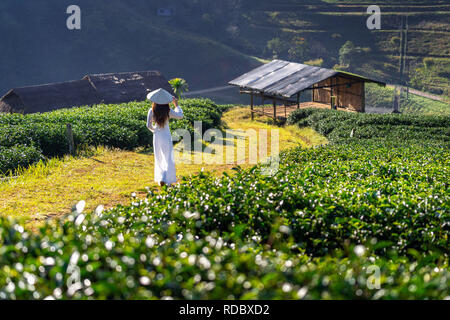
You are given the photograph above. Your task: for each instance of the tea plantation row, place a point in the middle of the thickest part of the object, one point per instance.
(356, 219)
(24, 139)
(338, 126)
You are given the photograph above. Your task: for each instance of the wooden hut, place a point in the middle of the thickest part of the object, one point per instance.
(49, 97)
(92, 89)
(127, 86)
(284, 81)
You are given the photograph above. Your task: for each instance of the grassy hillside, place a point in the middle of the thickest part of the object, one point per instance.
(327, 26)
(209, 43)
(115, 37)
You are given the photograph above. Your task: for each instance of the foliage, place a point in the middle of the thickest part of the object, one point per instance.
(314, 230)
(382, 97)
(179, 86)
(98, 257)
(346, 52)
(18, 156)
(276, 47)
(295, 49)
(287, 236)
(337, 126)
(315, 62)
(120, 126)
(299, 49)
(432, 76)
(350, 55)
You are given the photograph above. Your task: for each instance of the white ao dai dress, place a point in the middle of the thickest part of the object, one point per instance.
(163, 147)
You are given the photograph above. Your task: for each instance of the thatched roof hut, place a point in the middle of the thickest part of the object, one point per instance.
(49, 97)
(92, 89)
(127, 86)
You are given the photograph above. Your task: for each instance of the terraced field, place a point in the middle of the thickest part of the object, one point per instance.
(327, 25)
(219, 45)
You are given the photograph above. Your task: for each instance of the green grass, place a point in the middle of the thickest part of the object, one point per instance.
(433, 75)
(108, 176)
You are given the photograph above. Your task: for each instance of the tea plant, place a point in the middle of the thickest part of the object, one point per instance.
(319, 228)
(339, 126)
(119, 126)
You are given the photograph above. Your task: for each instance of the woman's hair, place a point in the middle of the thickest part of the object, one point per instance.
(160, 113)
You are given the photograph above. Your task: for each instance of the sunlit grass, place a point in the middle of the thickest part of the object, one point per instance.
(290, 136)
(109, 176)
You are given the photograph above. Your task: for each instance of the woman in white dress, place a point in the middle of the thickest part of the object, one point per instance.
(158, 123)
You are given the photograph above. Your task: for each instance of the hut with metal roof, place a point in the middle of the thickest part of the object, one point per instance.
(127, 86)
(283, 82)
(49, 97)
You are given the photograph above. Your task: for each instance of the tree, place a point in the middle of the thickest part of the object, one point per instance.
(179, 86)
(351, 54)
(299, 49)
(346, 53)
(277, 47)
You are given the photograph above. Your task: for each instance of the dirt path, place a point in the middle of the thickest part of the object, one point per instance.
(191, 93)
(422, 94)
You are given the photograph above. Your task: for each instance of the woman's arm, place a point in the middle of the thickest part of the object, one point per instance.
(177, 113)
(150, 120)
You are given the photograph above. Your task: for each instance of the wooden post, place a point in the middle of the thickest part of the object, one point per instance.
(298, 100)
(331, 93)
(337, 93)
(363, 102)
(274, 109)
(262, 100)
(70, 139)
(251, 105)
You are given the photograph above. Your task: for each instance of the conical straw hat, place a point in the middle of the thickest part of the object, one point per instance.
(160, 96)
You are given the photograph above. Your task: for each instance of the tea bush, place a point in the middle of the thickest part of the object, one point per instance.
(19, 155)
(337, 125)
(316, 229)
(94, 257)
(327, 196)
(319, 228)
(120, 126)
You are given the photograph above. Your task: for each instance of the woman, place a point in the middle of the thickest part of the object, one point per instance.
(160, 113)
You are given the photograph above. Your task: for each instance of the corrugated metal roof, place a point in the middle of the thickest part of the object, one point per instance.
(284, 78)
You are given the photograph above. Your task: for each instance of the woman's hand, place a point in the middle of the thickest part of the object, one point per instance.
(175, 101)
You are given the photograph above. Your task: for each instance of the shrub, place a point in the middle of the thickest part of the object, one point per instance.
(312, 230)
(119, 126)
(17, 156)
(338, 125)
(250, 236)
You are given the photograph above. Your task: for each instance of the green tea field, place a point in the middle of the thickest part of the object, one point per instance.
(359, 208)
